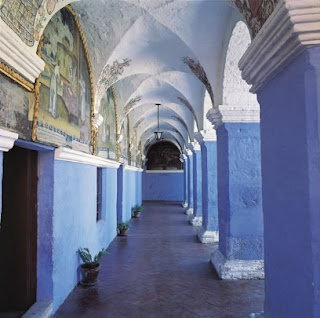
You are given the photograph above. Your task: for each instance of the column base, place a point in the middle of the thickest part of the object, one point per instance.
(195, 220)
(206, 236)
(258, 315)
(236, 269)
(184, 205)
(189, 211)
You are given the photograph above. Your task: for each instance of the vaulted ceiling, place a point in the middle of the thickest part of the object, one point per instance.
(171, 52)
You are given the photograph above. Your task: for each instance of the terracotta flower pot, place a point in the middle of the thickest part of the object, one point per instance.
(123, 232)
(136, 214)
(89, 274)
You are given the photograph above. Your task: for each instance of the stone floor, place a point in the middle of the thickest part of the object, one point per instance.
(160, 270)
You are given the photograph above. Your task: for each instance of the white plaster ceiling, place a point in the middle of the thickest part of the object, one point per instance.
(152, 38)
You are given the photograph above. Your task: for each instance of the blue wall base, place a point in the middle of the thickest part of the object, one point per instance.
(206, 236)
(236, 269)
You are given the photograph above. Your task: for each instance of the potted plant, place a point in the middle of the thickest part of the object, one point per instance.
(123, 228)
(90, 267)
(137, 210)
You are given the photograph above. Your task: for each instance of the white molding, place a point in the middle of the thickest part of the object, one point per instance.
(132, 168)
(18, 55)
(40, 309)
(206, 136)
(183, 157)
(66, 154)
(7, 139)
(164, 171)
(189, 211)
(206, 236)
(236, 269)
(239, 114)
(195, 220)
(293, 27)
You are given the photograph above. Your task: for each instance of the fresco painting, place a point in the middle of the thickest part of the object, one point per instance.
(124, 143)
(65, 93)
(107, 130)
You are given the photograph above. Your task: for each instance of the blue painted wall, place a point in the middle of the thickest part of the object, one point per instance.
(45, 225)
(239, 191)
(209, 186)
(74, 222)
(163, 186)
(290, 150)
(197, 183)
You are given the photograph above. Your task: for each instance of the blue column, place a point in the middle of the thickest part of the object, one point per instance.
(189, 154)
(290, 151)
(120, 196)
(196, 218)
(209, 232)
(240, 202)
(184, 158)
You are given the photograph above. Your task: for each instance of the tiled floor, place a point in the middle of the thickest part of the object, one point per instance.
(160, 270)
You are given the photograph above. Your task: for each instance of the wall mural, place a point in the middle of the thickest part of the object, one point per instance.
(124, 141)
(107, 131)
(20, 17)
(111, 73)
(163, 155)
(15, 102)
(132, 102)
(64, 116)
(199, 72)
(256, 12)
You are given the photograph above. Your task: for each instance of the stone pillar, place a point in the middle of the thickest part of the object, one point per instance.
(209, 232)
(189, 154)
(196, 218)
(240, 251)
(184, 159)
(287, 81)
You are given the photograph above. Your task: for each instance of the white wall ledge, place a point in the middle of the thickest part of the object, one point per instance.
(132, 168)
(66, 154)
(7, 139)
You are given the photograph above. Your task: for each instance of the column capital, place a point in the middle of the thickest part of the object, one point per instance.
(291, 28)
(206, 136)
(240, 113)
(188, 152)
(215, 117)
(7, 139)
(183, 157)
(196, 146)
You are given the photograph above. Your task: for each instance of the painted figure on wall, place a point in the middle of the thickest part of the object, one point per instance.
(65, 96)
(107, 130)
(53, 91)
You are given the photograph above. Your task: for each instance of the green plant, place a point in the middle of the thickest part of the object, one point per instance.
(87, 259)
(123, 226)
(137, 207)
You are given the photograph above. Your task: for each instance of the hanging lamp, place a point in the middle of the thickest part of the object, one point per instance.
(158, 133)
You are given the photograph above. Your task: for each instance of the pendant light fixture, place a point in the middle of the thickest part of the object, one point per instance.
(158, 133)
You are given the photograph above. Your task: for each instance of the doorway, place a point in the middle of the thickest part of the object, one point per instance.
(18, 233)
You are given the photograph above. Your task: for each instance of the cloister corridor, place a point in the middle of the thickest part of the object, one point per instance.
(161, 270)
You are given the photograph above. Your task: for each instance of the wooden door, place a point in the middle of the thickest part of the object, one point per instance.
(18, 233)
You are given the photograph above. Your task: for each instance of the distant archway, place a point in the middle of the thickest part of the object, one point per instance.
(164, 155)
